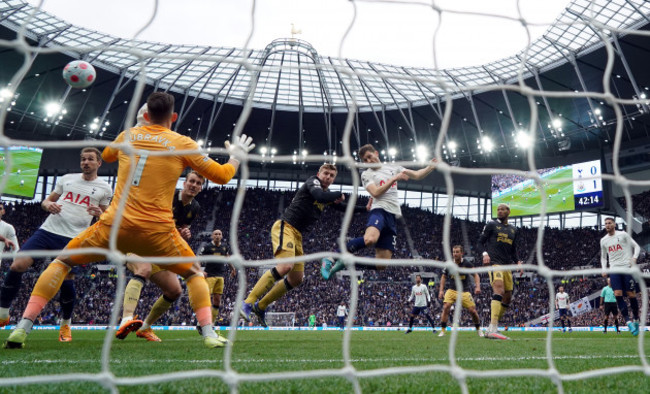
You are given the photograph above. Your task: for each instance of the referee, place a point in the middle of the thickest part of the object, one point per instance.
(608, 303)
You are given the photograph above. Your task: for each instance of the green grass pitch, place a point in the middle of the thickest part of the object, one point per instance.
(257, 352)
(28, 161)
(529, 200)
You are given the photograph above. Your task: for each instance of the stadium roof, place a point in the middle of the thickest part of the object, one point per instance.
(289, 74)
(301, 100)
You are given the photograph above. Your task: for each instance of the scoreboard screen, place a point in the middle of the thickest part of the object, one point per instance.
(23, 174)
(581, 188)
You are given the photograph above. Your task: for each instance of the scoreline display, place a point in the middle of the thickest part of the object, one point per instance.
(582, 190)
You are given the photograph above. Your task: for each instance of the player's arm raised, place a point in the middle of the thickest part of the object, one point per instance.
(422, 172)
(214, 171)
(322, 196)
(377, 191)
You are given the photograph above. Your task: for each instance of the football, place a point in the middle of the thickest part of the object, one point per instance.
(79, 74)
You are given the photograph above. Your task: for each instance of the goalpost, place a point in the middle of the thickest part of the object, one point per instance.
(438, 88)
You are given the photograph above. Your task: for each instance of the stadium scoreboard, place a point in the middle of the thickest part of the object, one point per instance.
(587, 185)
(567, 188)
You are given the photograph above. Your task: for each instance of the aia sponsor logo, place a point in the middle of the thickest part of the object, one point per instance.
(77, 199)
(615, 248)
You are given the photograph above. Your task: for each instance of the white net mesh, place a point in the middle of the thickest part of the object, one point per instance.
(584, 27)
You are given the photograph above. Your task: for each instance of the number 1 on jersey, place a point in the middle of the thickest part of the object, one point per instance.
(139, 167)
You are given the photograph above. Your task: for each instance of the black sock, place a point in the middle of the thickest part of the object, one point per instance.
(605, 324)
(443, 325)
(411, 322)
(430, 319)
(616, 323)
(10, 288)
(622, 306)
(563, 327)
(67, 298)
(568, 322)
(634, 305)
(355, 244)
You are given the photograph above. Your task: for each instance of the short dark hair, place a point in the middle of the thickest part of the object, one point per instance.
(459, 247)
(196, 173)
(366, 148)
(610, 218)
(418, 276)
(94, 150)
(160, 106)
(328, 166)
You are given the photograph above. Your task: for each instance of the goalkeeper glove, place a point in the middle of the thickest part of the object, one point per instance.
(239, 146)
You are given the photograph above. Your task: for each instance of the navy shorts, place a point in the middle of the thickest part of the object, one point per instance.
(418, 309)
(563, 312)
(623, 282)
(385, 223)
(45, 240)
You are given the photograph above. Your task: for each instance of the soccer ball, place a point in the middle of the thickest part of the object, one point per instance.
(79, 74)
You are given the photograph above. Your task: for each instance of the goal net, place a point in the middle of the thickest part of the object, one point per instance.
(281, 319)
(495, 118)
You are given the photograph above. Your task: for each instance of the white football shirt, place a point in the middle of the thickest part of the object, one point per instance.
(76, 195)
(421, 294)
(341, 311)
(8, 231)
(562, 300)
(619, 249)
(388, 201)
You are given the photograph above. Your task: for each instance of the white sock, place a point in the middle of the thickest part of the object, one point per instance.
(4, 313)
(208, 331)
(25, 324)
(66, 322)
(145, 326)
(125, 319)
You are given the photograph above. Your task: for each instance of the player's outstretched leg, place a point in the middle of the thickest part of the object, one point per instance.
(162, 305)
(264, 284)
(328, 268)
(46, 287)
(199, 295)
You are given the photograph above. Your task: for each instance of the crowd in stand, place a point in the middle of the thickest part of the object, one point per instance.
(382, 295)
(640, 202)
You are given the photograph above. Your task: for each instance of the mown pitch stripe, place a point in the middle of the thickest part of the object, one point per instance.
(392, 359)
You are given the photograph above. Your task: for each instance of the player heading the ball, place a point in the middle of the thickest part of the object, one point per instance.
(380, 180)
